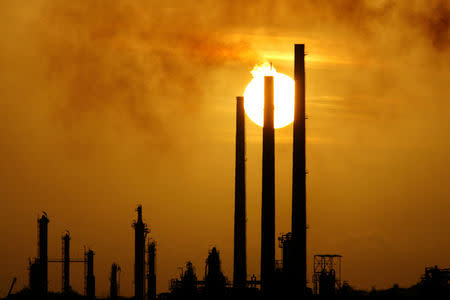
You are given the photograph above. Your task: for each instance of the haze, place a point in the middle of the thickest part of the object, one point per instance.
(107, 106)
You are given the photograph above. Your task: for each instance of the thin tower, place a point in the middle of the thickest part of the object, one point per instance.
(90, 278)
(240, 248)
(43, 252)
(268, 191)
(114, 282)
(140, 232)
(151, 275)
(66, 263)
(299, 172)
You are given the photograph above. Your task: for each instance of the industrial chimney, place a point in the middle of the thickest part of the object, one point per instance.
(90, 278)
(299, 172)
(43, 253)
(140, 232)
(240, 248)
(114, 282)
(151, 275)
(66, 263)
(268, 191)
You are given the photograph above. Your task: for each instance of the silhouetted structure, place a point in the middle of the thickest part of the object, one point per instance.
(11, 287)
(268, 190)
(436, 282)
(114, 282)
(215, 281)
(299, 176)
(90, 278)
(140, 232)
(186, 286)
(240, 230)
(43, 253)
(34, 277)
(285, 243)
(327, 274)
(66, 263)
(151, 275)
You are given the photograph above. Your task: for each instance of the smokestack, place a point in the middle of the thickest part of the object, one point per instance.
(140, 231)
(299, 172)
(114, 287)
(66, 262)
(151, 276)
(240, 239)
(268, 191)
(43, 252)
(90, 278)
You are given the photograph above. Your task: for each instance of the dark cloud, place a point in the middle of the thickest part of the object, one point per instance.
(434, 23)
(125, 57)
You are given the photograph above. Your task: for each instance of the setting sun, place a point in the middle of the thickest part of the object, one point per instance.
(283, 96)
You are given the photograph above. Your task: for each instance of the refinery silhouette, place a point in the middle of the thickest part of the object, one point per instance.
(278, 279)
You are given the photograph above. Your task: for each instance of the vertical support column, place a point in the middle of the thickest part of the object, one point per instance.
(43, 253)
(140, 231)
(90, 278)
(114, 286)
(66, 263)
(240, 239)
(268, 191)
(299, 172)
(151, 276)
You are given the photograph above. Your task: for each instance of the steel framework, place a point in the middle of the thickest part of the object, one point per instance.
(326, 267)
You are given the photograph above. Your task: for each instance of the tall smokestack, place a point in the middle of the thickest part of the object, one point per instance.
(66, 262)
(268, 191)
(151, 276)
(43, 252)
(240, 247)
(114, 283)
(140, 231)
(90, 278)
(299, 172)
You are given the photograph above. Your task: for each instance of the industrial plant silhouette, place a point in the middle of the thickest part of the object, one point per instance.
(278, 279)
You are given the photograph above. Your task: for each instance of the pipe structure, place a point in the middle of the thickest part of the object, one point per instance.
(140, 232)
(11, 287)
(151, 275)
(43, 253)
(114, 285)
(299, 172)
(90, 278)
(268, 191)
(66, 262)
(240, 230)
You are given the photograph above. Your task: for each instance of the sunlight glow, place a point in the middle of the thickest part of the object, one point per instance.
(283, 96)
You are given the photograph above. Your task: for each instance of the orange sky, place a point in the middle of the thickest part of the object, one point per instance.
(106, 106)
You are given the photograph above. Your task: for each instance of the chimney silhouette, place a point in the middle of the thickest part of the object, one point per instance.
(268, 191)
(151, 275)
(90, 278)
(66, 262)
(299, 172)
(114, 283)
(140, 232)
(43, 252)
(240, 230)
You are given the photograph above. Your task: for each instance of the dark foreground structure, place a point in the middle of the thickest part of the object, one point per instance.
(284, 279)
(240, 230)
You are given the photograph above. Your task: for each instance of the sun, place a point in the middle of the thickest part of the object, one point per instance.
(283, 96)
